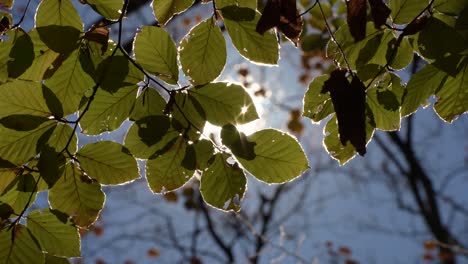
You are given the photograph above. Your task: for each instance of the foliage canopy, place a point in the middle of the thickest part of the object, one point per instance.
(58, 77)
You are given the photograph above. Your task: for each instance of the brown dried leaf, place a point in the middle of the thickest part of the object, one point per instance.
(357, 18)
(379, 12)
(349, 101)
(99, 33)
(415, 26)
(283, 15)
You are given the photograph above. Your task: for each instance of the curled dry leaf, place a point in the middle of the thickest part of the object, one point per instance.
(379, 12)
(357, 12)
(283, 15)
(349, 101)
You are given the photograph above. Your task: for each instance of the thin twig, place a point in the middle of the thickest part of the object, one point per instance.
(334, 39)
(23, 16)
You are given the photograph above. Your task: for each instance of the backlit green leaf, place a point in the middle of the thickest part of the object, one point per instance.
(23, 249)
(21, 53)
(70, 81)
(188, 116)
(225, 103)
(203, 52)
(451, 7)
(22, 98)
(109, 9)
(170, 171)
(108, 110)
(452, 97)
(420, 87)
(250, 44)
(278, 157)
(149, 103)
(404, 11)
(20, 193)
(58, 12)
(19, 146)
(55, 260)
(164, 10)
(60, 137)
(204, 150)
(155, 145)
(108, 162)
(384, 102)
(223, 185)
(55, 232)
(317, 105)
(252, 4)
(77, 196)
(156, 52)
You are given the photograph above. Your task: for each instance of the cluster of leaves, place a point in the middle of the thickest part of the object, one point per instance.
(370, 47)
(57, 78)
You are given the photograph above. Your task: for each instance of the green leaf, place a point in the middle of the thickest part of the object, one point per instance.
(149, 103)
(109, 9)
(313, 41)
(420, 87)
(55, 232)
(429, 44)
(108, 110)
(49, 259)
(278, 157)
(20, 193)
(204, 151)
(386, 52)
(404, 11)
(223, 185)
(108, 162)
(23, 249)
(61, 39)
(452, 97)
(20, 146)
(49, 165)
(156, 145)
(116, 72)
(333, 144)
(188, 116)
(384, 102)
(250, 44)
(42, 63)
(58, 12)
(238, 142)
(8, 175)
(22, 98)
(451, 7)
(21, 53)
(357, 53)
(77, 196)
(225, 103)
(5, 49)
(60, 137)
(70, 82)
(168, 171)
(156, 52)
(164, 10)
(317, 105)
(5, 213)
(251, 4)
(203, 52)
(403, 56)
